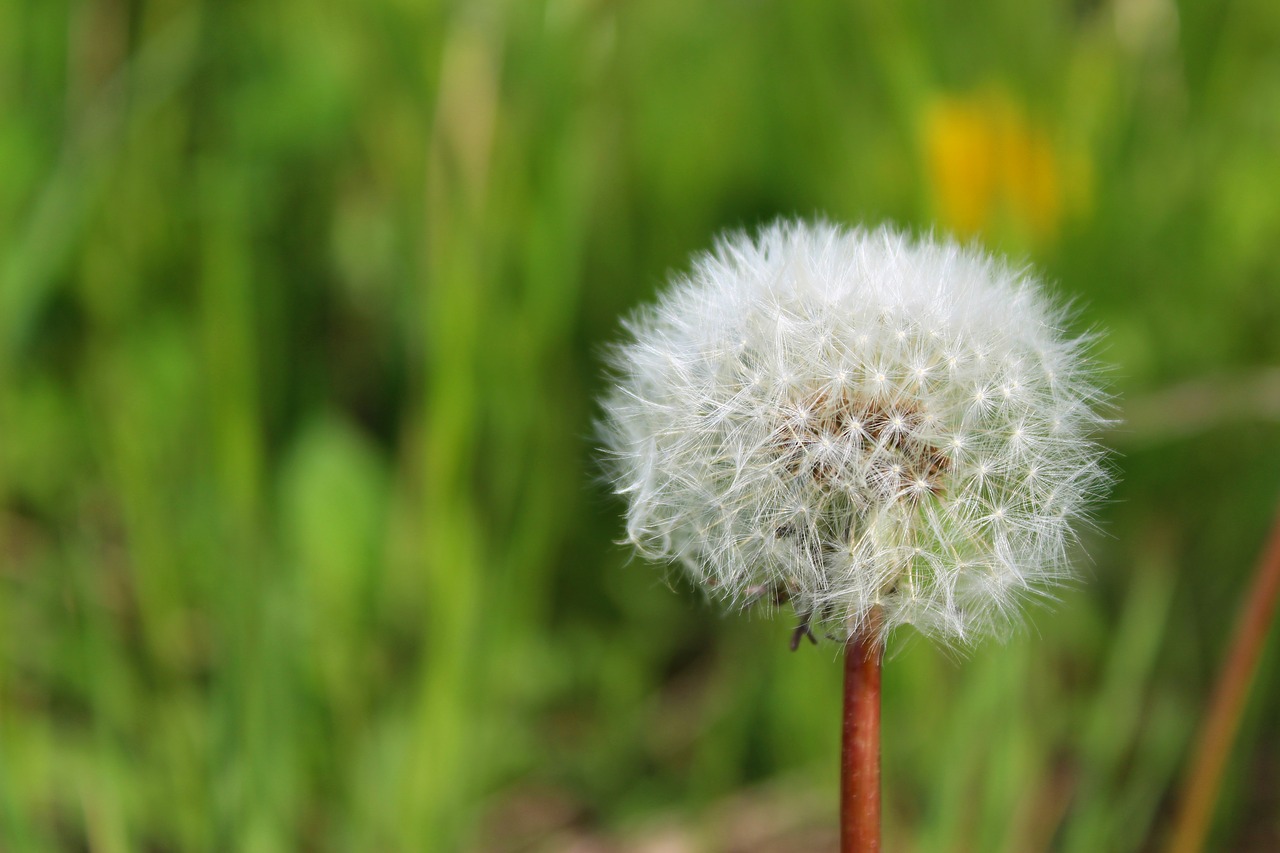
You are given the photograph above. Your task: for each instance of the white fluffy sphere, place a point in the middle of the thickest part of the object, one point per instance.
(858, 421)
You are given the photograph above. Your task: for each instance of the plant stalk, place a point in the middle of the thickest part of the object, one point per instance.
(1218, 731)
(860, 747)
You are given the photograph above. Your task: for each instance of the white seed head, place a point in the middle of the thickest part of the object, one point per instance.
(854, 419)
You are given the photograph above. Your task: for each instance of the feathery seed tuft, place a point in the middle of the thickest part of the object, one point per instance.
(853, 419)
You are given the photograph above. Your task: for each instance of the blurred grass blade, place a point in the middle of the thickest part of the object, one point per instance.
(1118, 713)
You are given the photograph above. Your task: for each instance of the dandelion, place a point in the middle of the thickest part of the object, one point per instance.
(990, 165)
(881, 430)
(854, 421)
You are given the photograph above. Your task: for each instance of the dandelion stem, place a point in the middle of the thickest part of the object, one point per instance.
(860, 752)
(1218, 731)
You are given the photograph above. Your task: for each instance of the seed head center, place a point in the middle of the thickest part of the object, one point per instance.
(839, 440)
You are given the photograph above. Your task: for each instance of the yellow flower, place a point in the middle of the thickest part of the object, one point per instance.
(990, 167)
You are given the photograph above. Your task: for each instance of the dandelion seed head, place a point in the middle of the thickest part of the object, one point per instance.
(862, 419)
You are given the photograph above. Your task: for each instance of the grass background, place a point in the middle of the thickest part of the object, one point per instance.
(301, 542)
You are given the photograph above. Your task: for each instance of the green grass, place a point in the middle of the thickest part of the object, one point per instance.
(302, 544)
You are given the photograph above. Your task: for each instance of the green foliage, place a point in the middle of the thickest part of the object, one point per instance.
(302, 544)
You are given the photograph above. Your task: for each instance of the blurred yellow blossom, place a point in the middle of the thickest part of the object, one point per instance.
(989, 166)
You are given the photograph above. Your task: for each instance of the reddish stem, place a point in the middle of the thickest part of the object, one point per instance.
(860, 753)
(1218, 731)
